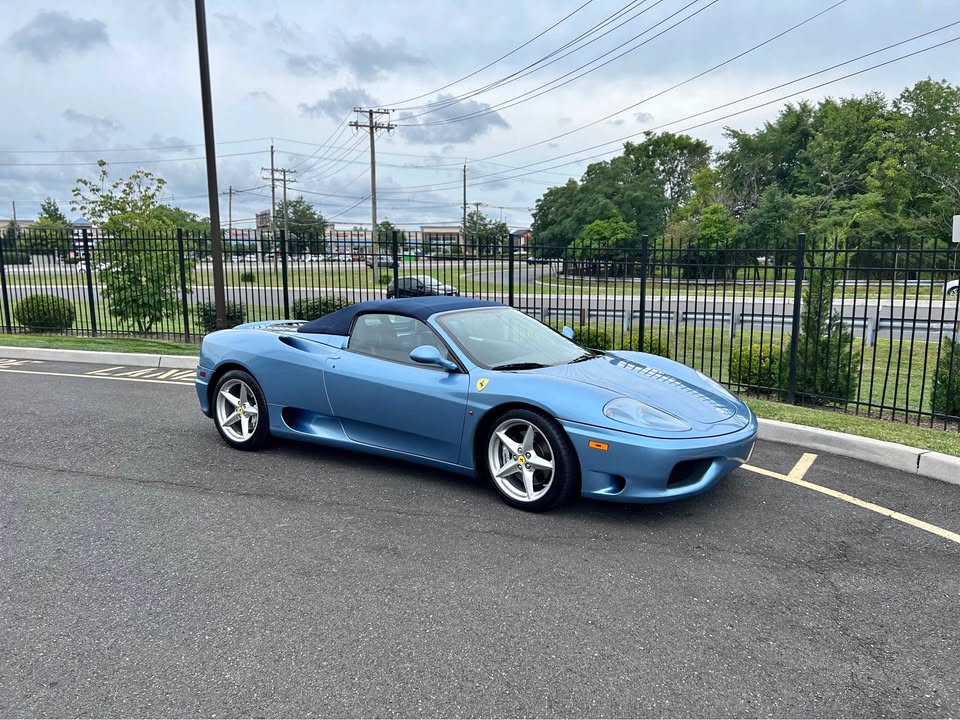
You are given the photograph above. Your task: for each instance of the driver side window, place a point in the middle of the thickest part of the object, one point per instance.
(392, 337)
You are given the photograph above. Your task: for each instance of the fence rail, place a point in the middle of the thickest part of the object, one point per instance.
(871, 331)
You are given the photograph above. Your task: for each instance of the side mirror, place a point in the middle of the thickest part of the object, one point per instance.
(567, 332)
(429, 355)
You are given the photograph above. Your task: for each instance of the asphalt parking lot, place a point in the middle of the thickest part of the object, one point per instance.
(149, 570)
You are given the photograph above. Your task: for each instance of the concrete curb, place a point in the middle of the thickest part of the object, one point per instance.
(185, 362)
(923, 463)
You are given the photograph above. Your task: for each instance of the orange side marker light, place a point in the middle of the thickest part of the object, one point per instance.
(597, 445)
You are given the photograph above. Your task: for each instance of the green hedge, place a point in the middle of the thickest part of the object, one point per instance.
(757, 367)
(16, 257)
(946, 380)
(207, 315)
(312, 308)
(45, 313)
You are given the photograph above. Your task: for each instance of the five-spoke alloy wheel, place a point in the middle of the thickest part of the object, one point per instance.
(530, 461)
(240, 411)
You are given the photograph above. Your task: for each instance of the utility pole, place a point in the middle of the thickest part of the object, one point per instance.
(286, 212)
(273, 200)
(464, 218)
(373, 125)
(230, 211)
(216, 247)
(15, 233)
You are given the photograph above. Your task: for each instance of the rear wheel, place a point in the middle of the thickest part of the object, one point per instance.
(240, 411)
(530, 461)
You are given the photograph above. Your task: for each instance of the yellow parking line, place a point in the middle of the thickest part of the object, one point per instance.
(795, 477)
(98, 377)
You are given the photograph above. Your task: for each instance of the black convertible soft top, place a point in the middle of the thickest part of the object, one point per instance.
(340, 321)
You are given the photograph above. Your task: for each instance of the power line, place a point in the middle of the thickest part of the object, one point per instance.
(138, 149)
(673, 87)
(617, 141)
(541, 62)
(527, 96)
(130, 162)
(494, 62)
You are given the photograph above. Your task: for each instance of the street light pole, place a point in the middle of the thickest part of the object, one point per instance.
(216, 247)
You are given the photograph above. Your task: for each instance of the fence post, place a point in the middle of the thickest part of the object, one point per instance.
(283, 269)
(396, 261)
(3, 289)
(88, 259)
(795, 327)
(183, 287)
(644, 260)
(510, 266)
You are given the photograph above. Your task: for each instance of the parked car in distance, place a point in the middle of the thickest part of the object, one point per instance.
(419, 285)
(382, 261)
(952, 288)
(316, 258)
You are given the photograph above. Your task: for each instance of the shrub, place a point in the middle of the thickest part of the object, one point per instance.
(591, 337)
(16, 257)
(757, 367)
(386, 278)
(654, 343)
(248, 276)
(207, 315)
(45, 313)
(314, 307)
(946, 380)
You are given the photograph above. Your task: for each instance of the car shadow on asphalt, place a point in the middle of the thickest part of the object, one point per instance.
(718, 500)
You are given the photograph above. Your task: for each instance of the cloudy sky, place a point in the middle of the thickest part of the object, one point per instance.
(119, 81)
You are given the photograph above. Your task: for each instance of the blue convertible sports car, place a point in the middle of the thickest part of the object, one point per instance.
(475, 386)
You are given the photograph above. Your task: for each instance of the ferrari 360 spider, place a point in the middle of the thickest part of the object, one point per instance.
(477, 386)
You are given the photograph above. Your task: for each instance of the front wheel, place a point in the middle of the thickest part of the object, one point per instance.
(531, 462)
(240, 411)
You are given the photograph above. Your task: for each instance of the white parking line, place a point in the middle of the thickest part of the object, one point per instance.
(90, 376)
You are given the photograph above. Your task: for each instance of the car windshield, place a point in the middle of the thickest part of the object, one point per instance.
(504, 338)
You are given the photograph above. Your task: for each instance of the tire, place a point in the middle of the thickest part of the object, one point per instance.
(389, 296)
(555, 475)
(246, 429)
(953, 292)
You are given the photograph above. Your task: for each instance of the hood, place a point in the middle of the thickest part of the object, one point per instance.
(681, 396)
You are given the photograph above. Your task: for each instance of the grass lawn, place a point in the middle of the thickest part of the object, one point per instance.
(105, 344)
(925, 438)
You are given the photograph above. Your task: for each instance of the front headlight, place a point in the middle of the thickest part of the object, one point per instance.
(639, 414)
(715, 386)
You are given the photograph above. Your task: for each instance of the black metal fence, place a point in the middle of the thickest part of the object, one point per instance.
(872, 331)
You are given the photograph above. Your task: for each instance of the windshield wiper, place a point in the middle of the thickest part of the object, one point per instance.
(519, 366)
(585, 356)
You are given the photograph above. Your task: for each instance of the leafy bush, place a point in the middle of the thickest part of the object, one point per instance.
(312, 308)
(591, 337)
(654, 343)
(15, 257)
(207, 315)
(45, 313)
(248, 276)
(758, 367)
(946, 380)
(385, 278)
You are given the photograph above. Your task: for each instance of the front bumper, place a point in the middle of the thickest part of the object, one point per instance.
(635, 468)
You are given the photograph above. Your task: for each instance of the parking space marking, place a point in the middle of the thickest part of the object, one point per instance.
(11, 362)
(795, 477)
(89, 376)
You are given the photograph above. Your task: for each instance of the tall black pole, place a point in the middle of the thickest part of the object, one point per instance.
(212, 191)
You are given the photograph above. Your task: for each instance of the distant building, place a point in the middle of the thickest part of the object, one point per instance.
(441, 237)
(520, 238)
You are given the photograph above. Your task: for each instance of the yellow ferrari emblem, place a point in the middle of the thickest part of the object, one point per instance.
(482, 383)
(521, 460)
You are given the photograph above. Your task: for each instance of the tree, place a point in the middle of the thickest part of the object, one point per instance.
(485, 236)
(305, 224)
(50, 215)
(189, 222)
(141, 275)
(385, 234)
(602, 238)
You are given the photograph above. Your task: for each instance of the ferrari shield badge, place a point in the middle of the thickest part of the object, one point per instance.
(482, 383)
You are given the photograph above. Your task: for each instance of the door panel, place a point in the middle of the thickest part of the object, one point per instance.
(413, 409)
